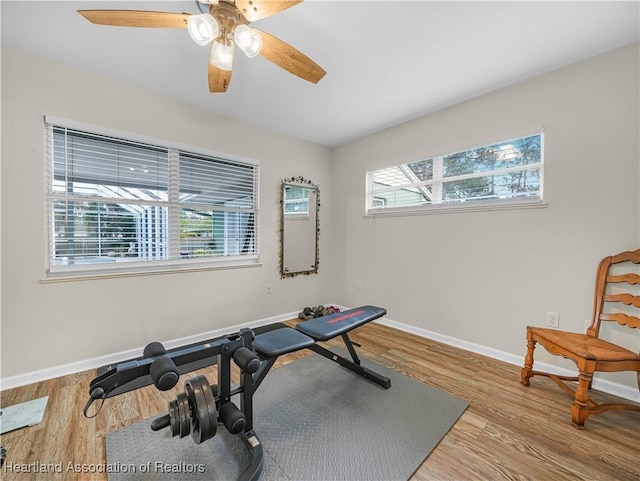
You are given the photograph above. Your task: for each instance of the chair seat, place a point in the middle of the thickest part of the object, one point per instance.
(584, 346)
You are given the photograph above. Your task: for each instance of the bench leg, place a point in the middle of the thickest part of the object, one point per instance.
(349, 343)
(383, 381)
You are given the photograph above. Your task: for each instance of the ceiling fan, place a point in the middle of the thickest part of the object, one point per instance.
(226, 24)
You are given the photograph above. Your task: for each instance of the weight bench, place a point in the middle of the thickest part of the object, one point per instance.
(285, 340)
(202, 407)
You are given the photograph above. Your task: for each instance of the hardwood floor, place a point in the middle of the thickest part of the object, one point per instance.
(508, 432)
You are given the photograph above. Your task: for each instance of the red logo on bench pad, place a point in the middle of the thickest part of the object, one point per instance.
(345, 317)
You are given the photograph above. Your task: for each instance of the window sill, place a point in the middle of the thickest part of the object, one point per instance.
(456, 208)
(98, 274)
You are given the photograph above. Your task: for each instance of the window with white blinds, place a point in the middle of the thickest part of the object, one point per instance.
(508, 172)
(118, 204)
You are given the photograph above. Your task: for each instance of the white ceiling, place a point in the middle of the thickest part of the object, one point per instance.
(386, 62)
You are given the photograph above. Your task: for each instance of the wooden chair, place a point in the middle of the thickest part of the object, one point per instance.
(589, 351)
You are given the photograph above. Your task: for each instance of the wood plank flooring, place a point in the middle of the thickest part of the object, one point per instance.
(509, 431)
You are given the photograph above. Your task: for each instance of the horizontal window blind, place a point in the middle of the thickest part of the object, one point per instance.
(500, 172)
(217, 207)
(116, 203)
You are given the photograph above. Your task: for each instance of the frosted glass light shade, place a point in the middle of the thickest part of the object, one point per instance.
(203, 28)
(248, 39)
(222, 55)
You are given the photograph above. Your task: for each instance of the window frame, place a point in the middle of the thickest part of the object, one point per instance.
(371, 194)
(145, 267)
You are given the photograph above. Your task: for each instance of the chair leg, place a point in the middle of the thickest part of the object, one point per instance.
(580, 408)
(526, 372)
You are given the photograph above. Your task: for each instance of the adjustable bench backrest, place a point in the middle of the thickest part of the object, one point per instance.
(327, 327)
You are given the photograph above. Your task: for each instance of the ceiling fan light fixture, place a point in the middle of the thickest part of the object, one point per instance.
(248, 39)
(203, 28)
(216, 23)
(222, 54)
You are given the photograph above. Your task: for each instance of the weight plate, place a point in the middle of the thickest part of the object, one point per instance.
(185, 414)
(174, 415)
(195, 413)
(200, 429)
(211, 408)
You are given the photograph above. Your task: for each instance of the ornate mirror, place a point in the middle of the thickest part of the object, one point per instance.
(299, 227)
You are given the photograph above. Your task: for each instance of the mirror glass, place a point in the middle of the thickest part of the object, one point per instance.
(299, 227)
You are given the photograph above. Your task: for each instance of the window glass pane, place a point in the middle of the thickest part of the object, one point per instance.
(481, 160)
(469, 189)
(404, 174)
(523, 183)
(200, 233)
(522, 151)
(403, 197)
(96, 233)
(421, 170)
(494, 157)
(216, 233)
(239, 235)
(390, 176)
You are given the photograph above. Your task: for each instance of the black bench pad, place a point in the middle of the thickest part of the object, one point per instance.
(281, 341)
(327, 327)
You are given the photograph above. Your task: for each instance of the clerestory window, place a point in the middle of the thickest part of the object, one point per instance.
(117, 204)
(506, 173)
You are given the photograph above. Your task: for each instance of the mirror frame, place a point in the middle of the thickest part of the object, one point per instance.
(299, 181)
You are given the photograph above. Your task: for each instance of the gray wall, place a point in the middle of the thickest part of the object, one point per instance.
(481, 277)
(45, 325)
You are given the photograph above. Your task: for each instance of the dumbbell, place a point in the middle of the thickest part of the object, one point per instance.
(163, 370)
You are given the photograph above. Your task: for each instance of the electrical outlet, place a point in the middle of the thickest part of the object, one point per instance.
(268, 289)
(359, 284)
(553, 319)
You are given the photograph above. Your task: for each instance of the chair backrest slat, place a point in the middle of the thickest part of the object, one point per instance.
(627, 256)
(633, 279)
(622, 318)
(626, 299)
(620, 295)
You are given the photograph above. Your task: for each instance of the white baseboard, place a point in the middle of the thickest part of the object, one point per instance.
(617, 389)
(96, 362)
(604, 385)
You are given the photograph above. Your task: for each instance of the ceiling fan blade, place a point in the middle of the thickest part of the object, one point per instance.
(136, 18)
(290, 59)
(256, 9)
(219, 79)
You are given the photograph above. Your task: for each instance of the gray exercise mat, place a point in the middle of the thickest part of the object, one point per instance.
(316, 421)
